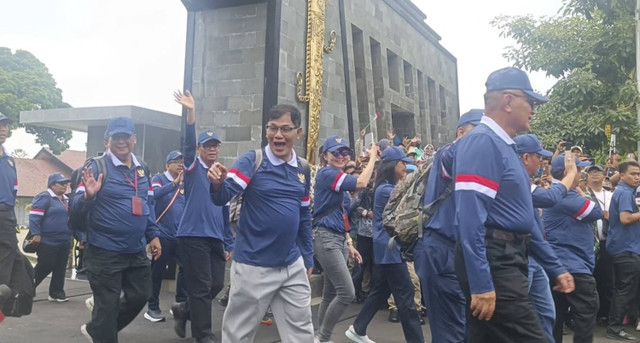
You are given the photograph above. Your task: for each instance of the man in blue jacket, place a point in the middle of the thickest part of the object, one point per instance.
(274, 249)
(168, 192)
(569, 229)
(121, 223)
(623, 244)
(8, 190)
(205, 239)
(446, 306)
(494, 215)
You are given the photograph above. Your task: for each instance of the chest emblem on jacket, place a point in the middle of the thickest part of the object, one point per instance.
(140, 172)
(301, 177)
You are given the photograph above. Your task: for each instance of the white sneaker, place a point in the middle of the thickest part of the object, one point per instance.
(354, 337)
(85, 333)
(89, 303)
(58, 300)
(638, 325)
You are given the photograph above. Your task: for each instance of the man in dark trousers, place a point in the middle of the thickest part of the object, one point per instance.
(168, 192)
(205, 239)
(121, 223)
(494, 216)
(623, 244)
(8, 190)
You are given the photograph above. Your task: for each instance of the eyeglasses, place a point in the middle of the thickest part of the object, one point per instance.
(210, 146)
(272, 129)
(531, 102)
(343, 152)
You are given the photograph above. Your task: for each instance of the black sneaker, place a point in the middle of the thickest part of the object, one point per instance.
(154, 316)
(393, 316)
(621, 336)
(179, 320)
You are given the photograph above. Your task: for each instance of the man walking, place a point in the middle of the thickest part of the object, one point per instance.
(121, 223)
(274, 250)
(494, 215)
(8, 190)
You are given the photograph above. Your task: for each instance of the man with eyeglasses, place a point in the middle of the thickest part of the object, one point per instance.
(205, 239)
(494, 215)
(274, 250)
(168, 191)
(8, 190)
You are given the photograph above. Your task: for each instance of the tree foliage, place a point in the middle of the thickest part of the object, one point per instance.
(590, 48)
(25, 84)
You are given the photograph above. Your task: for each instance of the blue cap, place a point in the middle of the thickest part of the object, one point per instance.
(3, 118)
(384, 143)
(120, 125)
(557, 164)
(512, 78)
(472, 117)
(530, 144)
(57, 178)
(206, 136)
(334, 143)
(394, 153)
(174, 155)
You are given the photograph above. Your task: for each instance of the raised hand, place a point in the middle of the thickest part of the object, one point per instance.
(186, 100)
(178, 179)
(570, 164)
(91, 185)
(217, 173)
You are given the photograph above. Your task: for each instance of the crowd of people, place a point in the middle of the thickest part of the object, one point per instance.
(524, 242)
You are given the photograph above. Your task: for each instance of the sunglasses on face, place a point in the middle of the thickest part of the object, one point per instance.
(343, 153)
(529, 100)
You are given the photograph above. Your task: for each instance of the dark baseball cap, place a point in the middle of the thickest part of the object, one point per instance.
(530, 144)
(334, 143)
(472, 117)
(395, 154)
(174, 155)
(557, 164)
(384, 143)
(5, 118)
(513, 78)
(595, 167)
(206, 136)
(120, 125)
(57, 178)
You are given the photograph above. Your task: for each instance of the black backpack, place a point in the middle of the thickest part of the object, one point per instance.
(22, 288)
(79, 221)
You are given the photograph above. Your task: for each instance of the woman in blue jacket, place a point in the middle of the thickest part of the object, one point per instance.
(391, 275)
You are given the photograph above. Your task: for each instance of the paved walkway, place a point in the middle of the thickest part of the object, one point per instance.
(60, 322)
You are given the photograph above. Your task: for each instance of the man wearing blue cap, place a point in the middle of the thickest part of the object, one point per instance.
(434, 253)
(205, 239)
(8, 190)
(168, 192)
(531, 153)
(494, 215)
(121, 223)
(569, 229)
(623, 244)
(48, 225)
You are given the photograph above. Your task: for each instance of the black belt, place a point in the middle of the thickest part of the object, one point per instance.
(508, 236)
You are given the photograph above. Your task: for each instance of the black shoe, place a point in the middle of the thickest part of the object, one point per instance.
(179, 320)
(224, 301)
(154, 316)
(423, 312)
(393, 316)
(621, 336)
(565, 330)
(207, 339)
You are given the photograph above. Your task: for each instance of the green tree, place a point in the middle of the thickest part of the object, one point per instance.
(25, 84)
(590, 48)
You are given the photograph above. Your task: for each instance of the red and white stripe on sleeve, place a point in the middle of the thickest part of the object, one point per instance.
(239, 178)
(472, 182)
(338, 181)
(37, 212)
(150, 191)
(305, 201)
(585, 210)
(155, 184)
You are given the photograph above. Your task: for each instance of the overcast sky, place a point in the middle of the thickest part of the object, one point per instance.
(124, 52)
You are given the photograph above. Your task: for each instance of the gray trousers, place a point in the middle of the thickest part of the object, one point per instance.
(254, 288)
(338, 292)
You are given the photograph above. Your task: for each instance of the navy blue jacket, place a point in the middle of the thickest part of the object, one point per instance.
(569, 228)
(331, 185)
(539, 249)
(163, 191)
(491, 191)
(623, 238)
(439, 179)
(381, 252)
(274, 229)
(112, 226)
(8, 180)
(49, 217)
(200, 217)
